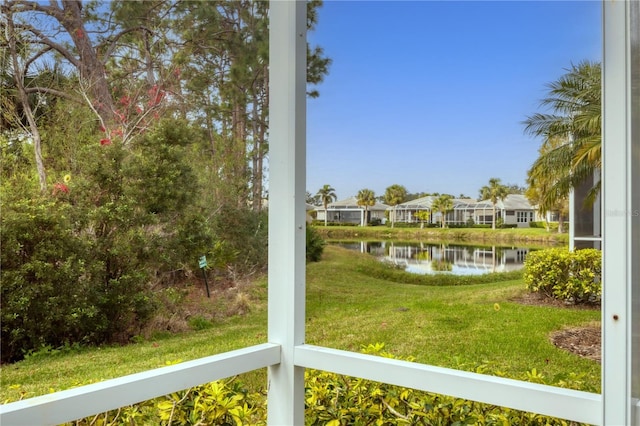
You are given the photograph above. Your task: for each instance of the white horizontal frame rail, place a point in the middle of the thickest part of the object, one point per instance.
(568, 404)
(80, 402)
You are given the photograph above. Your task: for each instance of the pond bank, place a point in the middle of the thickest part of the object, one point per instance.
(479, 235)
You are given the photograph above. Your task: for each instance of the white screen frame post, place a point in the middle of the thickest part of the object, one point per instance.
(287, 215)
(634, 202)
(621, 194)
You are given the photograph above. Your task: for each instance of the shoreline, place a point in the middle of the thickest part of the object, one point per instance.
(480, 235)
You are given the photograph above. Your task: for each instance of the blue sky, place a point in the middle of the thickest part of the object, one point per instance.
(431, 95)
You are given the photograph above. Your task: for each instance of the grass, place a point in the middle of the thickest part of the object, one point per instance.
(480, 235)
(444, 326)
(348, 306)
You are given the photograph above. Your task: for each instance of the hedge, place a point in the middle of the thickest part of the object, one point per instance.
(571, 276)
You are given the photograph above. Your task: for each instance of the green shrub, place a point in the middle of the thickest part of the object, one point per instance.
(217, 403)
(334, 399)
(199, 322)
(552, 226)
(242, 235)
(46, 289)
(314, 244)
(78, 264)
(537, 224)
(321, 223)
(403, 224)
(375, 222)
(61, 285)
(573, 277)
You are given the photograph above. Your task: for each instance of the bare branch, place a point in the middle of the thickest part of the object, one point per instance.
(46, 41)
(31, 6)
(28, 63)
(83, 92)
(54, 92)
(113, 40)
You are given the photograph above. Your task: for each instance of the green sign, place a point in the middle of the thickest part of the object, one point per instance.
(203, 262)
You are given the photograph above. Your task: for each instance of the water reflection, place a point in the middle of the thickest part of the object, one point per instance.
(427, 258)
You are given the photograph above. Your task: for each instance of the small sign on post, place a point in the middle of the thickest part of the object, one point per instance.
(203, 265)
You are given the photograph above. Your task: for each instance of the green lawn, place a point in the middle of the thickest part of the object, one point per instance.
(481, 235)
(445, 326)
(348, 307)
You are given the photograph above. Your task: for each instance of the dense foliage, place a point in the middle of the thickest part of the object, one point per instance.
(314, 244)
(570, 276)
(79, 264)
(134, 137)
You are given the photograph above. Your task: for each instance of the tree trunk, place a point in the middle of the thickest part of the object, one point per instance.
(493, 222)
(18, 74)
(239, 147)
(91, 68)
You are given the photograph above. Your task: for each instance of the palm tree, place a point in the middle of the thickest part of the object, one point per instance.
(424, 216)
(394, 195)
(443, 204)
(327, 195)
(366, 198)
(495, 191)
(571, 133)
(542, 190)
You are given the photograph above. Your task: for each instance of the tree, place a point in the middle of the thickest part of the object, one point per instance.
(366, 198)
(69, 22)
(571, 133)
(542, 189)
(19, 75)
(443, 204)
(314, 200)
(514, 188)
(225, 63)
(415, 196)
(394, 195)
(494, 192)
(327, 195)
(210, 59)
(424, 216)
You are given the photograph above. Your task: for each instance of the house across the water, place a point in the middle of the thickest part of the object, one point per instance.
(515, 209)
(348, 211)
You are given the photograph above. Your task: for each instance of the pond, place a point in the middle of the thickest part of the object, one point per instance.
(432, 258)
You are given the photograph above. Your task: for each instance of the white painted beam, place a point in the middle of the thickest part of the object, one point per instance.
(548, 400)
(287, 197)
(76, 403)
(621, 193)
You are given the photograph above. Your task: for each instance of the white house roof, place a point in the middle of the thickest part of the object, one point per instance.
(351, 203)
(418, 203)
(511, 202)
(427, 202)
